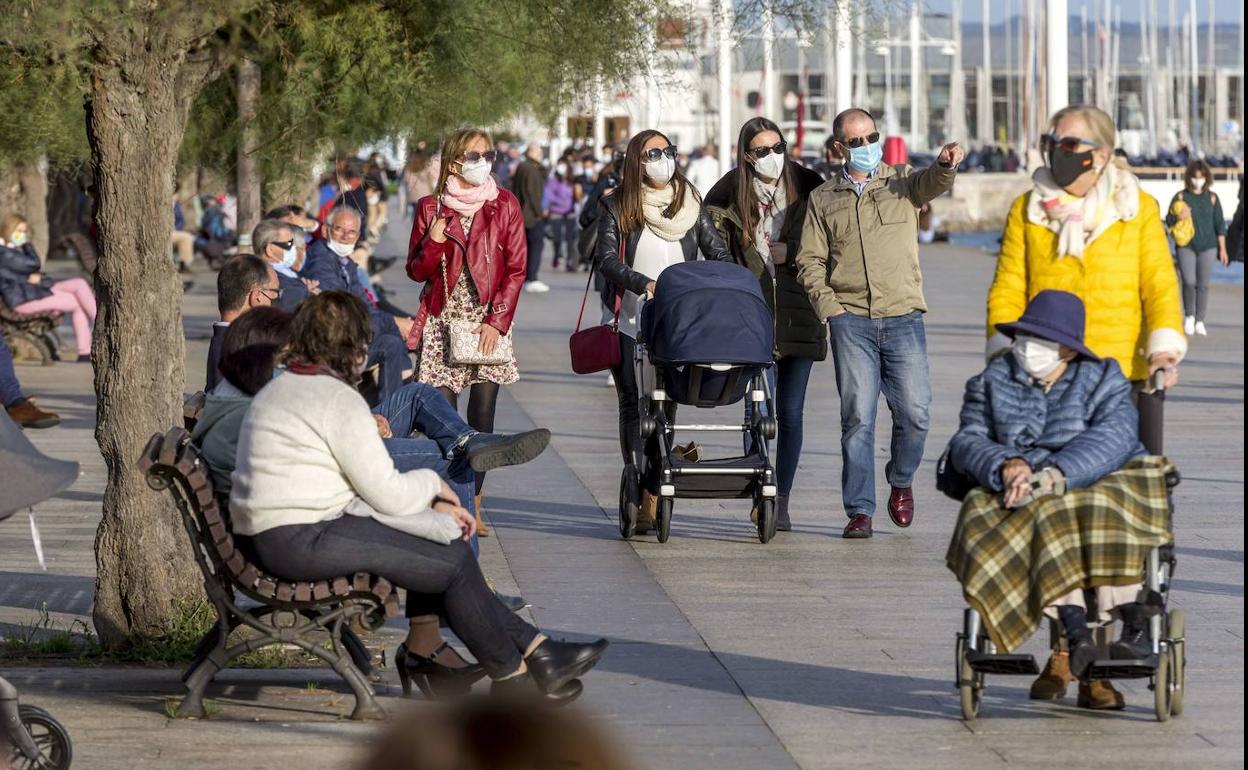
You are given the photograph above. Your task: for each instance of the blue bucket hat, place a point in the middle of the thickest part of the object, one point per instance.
(1056, 316)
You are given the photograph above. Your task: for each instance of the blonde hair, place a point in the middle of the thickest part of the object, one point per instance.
(1104, 132)
(9, 223)
(456, 145)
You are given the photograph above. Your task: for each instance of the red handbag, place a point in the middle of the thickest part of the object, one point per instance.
(597, 348)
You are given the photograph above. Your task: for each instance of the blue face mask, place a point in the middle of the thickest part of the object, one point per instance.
(864, 159)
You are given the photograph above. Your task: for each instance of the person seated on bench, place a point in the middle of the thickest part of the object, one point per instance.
(244, 283)
(1065, 504)
(20, 408)
(26, 290)
(320, 496)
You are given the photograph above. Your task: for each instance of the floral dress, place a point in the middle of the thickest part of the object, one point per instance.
(434, 368)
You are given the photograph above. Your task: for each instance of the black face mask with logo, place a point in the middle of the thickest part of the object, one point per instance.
(1068, 166)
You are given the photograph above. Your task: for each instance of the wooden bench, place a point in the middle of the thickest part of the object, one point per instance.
(298, 613)
(31, 337)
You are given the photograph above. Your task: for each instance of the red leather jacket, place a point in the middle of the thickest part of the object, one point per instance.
(495, 251)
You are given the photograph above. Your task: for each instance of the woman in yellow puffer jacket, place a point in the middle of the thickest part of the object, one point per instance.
(1087, 228)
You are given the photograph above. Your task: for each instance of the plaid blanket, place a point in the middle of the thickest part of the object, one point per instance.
(1013, 563)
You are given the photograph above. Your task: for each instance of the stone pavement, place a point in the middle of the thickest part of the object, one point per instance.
(808, 652)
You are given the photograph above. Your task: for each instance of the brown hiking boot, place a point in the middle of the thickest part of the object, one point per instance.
(1051, 684)
(27, 415)
(646, 512)
(1100, 695)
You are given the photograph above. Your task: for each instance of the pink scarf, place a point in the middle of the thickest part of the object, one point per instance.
(467, 201)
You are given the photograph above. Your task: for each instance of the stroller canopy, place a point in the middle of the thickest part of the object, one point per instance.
(709, 313)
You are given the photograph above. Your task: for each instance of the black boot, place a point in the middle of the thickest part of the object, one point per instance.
(487, 451)
(1079, 636)
(524, 687)
(782, 514)
(553, 664)
(1135, 643)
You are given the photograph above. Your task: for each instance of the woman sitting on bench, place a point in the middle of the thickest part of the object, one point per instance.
(316, 489)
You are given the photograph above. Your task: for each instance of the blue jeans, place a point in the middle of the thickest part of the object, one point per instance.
(874, 355)
(788, 380)
(10, 389)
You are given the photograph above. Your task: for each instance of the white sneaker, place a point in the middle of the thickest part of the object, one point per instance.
(536, 287)
(610, 379)
(1201, 330)
(1189, 325)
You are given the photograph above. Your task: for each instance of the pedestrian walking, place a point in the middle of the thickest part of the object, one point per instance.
(419, 177)
(759, 208)
(859, 262)
(703, 171)
(528, 183)
(560, 209)
(1087, 228)
(468, 248)
(1199, 230)
(653, 220)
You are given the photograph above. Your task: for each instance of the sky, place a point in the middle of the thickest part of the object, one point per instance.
(1225, 11)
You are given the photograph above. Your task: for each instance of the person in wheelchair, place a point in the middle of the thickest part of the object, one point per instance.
(1068, 505)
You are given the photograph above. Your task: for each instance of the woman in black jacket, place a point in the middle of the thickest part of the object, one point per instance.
(759, 208)
(26, 290)
(653, 220)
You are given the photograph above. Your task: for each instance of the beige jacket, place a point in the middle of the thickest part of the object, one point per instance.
(860, 253)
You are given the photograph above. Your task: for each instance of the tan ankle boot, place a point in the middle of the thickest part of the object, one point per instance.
(1100, 695)
(646, 512)
(482, 529)
(1051, 684)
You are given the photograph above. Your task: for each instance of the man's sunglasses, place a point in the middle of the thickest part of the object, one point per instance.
(472, 157)
(655, 153)
(761, 152)
(859, 141)
(284, 245)
(1067, 143)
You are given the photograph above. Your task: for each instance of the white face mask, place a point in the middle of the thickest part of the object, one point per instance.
(19, 238)
(660, 170)
(770, 167)
(1198, 183)
(475, 173)
(341, 249)
(290, 257)
(1039, 358)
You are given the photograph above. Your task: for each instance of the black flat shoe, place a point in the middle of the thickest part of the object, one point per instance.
(553, 664)
(433, 679)
(513, 603)
(487, 451)
(524, 687)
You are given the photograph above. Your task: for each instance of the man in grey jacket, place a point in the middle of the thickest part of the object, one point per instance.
(859, 262)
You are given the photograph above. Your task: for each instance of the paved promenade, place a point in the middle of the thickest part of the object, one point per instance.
(810, 652)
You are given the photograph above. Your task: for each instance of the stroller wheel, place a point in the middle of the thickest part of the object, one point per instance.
(52, 740)
(1178, 643)
(628, 502)
(766, 507)
(663, 518)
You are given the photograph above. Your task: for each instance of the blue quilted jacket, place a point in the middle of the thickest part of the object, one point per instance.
(1086, 424)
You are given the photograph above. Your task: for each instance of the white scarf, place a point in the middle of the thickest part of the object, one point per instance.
(772, 201)
(655, 202)
(1078, 221)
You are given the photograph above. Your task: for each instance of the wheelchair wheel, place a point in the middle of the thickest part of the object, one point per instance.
(52, 740)
(970, 684)
(663, 518)
(1163, 684)
(628, 503)
(766, 507)
(1178, 643)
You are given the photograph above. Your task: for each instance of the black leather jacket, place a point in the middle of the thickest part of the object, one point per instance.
(620, 276)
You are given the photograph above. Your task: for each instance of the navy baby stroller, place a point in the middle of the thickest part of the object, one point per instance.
(708, 337)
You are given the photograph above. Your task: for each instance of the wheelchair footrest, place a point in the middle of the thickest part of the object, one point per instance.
(982, 662)
(1123, 669)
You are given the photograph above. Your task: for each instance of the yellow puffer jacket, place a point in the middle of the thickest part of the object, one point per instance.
(1126, 279)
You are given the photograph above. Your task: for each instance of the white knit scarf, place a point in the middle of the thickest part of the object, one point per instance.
(655, 202)
(1079, 221)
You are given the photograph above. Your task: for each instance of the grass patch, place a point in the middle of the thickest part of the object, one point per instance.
(191, 620)
(45, 638)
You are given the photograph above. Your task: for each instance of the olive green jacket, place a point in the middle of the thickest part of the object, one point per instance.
(860, 253)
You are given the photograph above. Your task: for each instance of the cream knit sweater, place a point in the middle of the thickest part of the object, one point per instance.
(309, 451)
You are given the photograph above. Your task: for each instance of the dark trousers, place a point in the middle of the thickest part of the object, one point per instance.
(445, 576)
(563, 233)
(534, 235)
(788, 379)
(10, 389)
(631, 447)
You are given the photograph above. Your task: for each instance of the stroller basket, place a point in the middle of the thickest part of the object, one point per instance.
(707, 386)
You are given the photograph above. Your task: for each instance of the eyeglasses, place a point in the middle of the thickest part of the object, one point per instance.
(275, 296)
(654, 153)
(1067, 143)
(761, 152)
(349, 235)
(472, 157)
(859, 141)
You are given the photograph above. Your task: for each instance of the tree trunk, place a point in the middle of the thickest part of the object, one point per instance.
(248, 146)
(24, 191)
(136, 119)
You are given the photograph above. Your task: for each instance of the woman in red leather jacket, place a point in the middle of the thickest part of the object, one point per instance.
(468, 221)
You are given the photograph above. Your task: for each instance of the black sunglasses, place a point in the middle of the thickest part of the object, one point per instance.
(655, 153)
(1068, 143)
(859, 141)
(473, 157)
(761, 152)
(284, 244)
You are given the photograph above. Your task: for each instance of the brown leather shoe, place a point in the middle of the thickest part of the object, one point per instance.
(27, 415)
(482, 529)
(646, 513)
(1052, 682)
(858, 528)
(901, 506)
(1100, 695)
